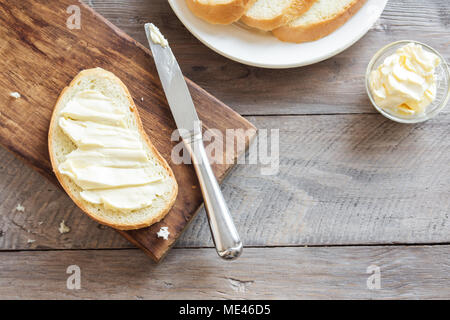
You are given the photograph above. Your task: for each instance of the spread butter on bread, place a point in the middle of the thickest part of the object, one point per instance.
(102, 156)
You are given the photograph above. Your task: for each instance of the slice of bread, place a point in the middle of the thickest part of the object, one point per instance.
(324, 17)
(60, 145)
(219, 11)
(270, 14)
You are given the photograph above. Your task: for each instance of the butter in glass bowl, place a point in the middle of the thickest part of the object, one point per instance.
(408, 82)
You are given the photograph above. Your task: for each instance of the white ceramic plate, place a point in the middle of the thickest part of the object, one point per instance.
(264, 50)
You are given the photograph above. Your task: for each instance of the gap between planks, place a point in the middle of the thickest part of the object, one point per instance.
(381, 245)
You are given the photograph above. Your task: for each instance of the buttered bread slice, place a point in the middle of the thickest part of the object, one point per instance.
(219, 11)
(323, 18)
(270, 14)
(102, 156)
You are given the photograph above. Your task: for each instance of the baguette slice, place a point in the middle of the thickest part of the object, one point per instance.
(270, 14)
(219, 11)
(60, 145)
(323, 18)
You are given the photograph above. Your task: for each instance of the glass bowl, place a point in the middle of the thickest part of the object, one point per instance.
(442, 82)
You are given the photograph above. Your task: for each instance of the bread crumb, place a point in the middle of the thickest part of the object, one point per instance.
(15, 95)
(20, 208)
(194, 187)
(163, 233)
(63, 228)
(31, 241)
(40, 222)
(142, 99)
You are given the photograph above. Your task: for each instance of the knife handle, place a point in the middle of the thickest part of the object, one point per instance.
(224, 233)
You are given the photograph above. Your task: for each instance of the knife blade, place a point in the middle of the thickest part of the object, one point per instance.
(223, 230)
(174, 85)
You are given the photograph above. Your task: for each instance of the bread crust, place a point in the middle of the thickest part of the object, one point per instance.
(62, 179)
(297, 8)
(299, 34)
(225, 13)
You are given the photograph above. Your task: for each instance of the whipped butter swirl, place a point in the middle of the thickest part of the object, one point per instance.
(405, 83)
(110, 163)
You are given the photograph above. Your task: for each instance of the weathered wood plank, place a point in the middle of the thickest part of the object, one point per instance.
(264, 273)
(333, 86)
(343, 179)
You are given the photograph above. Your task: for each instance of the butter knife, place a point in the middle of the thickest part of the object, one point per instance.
(224, 233)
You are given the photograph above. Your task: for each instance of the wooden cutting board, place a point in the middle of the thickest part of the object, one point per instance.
(39, 55)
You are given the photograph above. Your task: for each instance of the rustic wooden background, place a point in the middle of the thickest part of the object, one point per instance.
(354, 189)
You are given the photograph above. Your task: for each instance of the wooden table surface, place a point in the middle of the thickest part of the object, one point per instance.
(355, 191)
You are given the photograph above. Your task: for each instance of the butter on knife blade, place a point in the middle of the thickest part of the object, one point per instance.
(156, 35)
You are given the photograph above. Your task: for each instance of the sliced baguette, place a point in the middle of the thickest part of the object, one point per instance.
(219, 11)
(270, 14)
(60, 146)
(323, 18)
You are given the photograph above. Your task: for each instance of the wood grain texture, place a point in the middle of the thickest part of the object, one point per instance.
(40, 56)
(264, 273)
(332, 86)
(343, 179)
